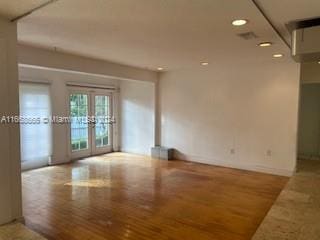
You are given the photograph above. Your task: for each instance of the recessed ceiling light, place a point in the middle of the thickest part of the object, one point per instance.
(239, 22)
(278, 55)
(159, 68)
(265, 44)
(204, 63)
(319, 62)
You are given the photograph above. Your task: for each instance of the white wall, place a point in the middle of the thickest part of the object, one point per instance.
(249, 108)
(59, 95)
(65, 67)
(137, 114)
(136, 103)
(58, 60)
(10, 179)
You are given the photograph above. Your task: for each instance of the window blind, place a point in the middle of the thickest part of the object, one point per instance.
(35, 133)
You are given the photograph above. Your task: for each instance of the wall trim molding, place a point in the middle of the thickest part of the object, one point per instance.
(308, 157)
(133, 151)
(310, 82)
(21, 220)
(44, 58)
(248, 167)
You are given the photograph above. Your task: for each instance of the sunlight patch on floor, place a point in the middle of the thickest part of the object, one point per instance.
(94, 183)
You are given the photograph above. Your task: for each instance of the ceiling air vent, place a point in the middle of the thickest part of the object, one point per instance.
(305, 40)
(248, 35)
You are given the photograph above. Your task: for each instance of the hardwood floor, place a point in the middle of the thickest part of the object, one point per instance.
(122, 196)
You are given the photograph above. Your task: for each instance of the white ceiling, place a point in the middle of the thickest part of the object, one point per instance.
(153, 33)
(282, 12)
(11, 9)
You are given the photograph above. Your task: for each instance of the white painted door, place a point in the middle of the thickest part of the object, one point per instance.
(90, 127)
(101, 105)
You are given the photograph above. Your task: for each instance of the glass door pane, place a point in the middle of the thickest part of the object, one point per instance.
(79, 124)
(102, 122)
(102, 132)
(90, 126)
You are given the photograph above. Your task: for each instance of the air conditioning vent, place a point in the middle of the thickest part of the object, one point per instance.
(248, 35)
(306, 44)
(305, 40)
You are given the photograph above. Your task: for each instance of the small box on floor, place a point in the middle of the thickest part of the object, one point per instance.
(162, 153)
(155, 152)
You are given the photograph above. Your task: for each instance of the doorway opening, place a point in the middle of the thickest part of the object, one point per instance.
(309, 122)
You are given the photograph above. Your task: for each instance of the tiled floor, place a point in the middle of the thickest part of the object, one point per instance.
(17, 231)
(296, 213)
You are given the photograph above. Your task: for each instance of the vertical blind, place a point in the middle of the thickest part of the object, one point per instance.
(35, 132)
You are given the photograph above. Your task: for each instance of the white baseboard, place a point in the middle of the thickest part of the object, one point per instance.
(21, 220)
(135, 152)
(248, 167)
(60, 160)
(308, 157)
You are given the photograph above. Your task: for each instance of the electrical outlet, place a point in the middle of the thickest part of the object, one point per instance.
(269, 153)
(232, 151)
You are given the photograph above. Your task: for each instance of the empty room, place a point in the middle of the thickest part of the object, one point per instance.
(159, 119)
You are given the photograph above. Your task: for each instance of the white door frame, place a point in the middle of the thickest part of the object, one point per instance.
(109, 148)
(92, 150)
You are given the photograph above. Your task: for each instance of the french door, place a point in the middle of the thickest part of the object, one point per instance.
(90, 122)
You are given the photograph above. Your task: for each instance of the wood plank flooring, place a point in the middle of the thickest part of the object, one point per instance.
(123, 196)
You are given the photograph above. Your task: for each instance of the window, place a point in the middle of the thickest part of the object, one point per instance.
(35, 131)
